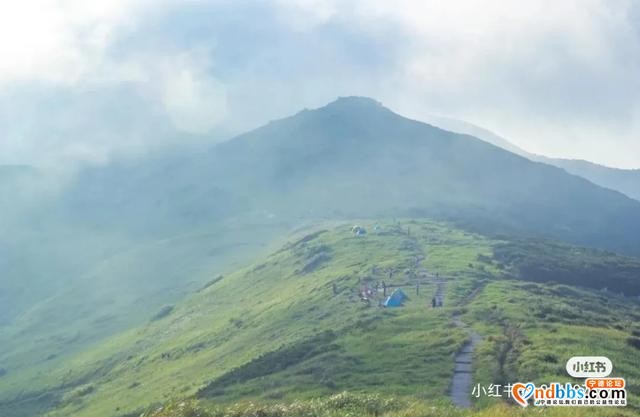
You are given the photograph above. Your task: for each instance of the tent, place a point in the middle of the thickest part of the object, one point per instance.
(395, 299)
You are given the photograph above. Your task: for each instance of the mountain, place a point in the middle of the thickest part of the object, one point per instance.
(626, 181)
(292, 325)
(355, 158)
(352, 158)
(107, 249)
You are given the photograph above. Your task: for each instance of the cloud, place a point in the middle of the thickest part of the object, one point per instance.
(557, 78)
(195, 101)
(60, 41)
(69, 94)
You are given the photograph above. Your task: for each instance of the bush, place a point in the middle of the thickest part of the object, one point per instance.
(634, 342)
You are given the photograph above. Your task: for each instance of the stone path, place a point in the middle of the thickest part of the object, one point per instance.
(461, 384)
(460, 390)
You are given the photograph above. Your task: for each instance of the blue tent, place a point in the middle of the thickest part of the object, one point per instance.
(395, 299)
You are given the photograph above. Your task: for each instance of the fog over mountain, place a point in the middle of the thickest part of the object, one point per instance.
(84, 81)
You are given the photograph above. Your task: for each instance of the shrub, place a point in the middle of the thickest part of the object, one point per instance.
(634, 342)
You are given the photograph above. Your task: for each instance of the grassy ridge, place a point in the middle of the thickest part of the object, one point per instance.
(279, 302)
(292, 328)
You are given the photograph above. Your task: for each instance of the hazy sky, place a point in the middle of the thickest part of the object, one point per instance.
(87, 79)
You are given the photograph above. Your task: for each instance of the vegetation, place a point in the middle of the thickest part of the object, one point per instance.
(532, 329)
(363, 405)
(545, 261)
(277, 334)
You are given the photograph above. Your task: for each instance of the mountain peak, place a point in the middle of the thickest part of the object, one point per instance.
(353, 103)
(355, 108)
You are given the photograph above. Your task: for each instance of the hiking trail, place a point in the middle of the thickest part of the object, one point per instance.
(460, 389)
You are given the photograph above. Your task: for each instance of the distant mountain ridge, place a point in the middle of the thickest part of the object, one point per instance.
(626, 181)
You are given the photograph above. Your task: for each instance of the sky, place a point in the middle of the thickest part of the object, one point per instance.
(89, 80)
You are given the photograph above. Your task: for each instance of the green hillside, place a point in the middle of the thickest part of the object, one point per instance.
(108, 296)
(292, 327)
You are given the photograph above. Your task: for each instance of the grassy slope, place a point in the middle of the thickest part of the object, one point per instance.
(533, 329)
(161, 271)
(108, 299)
(367, 405)
(275, 330)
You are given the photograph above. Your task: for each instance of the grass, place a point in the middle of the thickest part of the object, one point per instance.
(533, 343)
(365, 405)
(291, 329)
